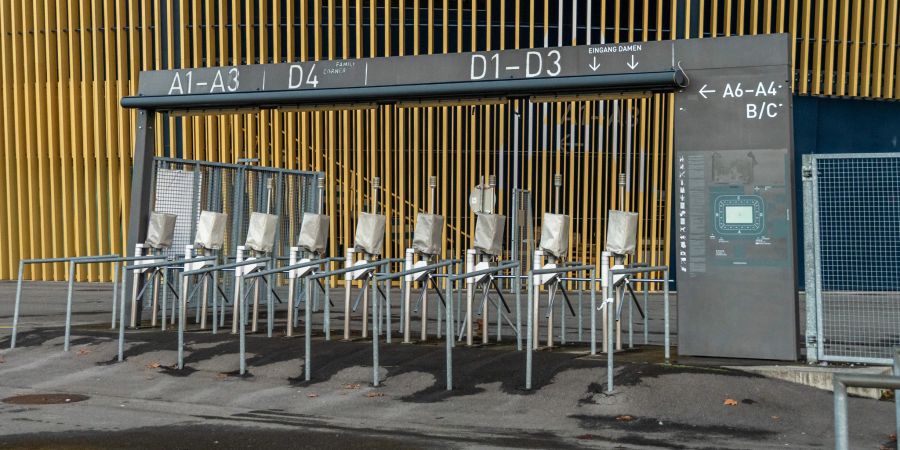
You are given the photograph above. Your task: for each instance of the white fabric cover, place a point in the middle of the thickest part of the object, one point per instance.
(160, 230)
(621, 232)
(261, 232)
(427, 237)
(489, 233)
(555, 234)
(369, 233)
(211, 230)
(313, 233)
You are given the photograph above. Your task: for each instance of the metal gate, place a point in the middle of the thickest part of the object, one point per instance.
(185, 187)
(852, 248)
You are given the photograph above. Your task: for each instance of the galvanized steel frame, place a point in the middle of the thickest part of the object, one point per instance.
(815, 333)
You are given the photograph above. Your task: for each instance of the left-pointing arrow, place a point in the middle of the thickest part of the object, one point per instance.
(703, 91)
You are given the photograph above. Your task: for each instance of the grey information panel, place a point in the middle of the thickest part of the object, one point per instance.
(733, 201)
(558, 62)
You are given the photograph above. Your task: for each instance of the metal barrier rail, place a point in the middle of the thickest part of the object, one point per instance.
(307, 328)
(450, 333)
(290, 319)
(529, 344)
(72, 261)
(843, 381)
(238, 288)
(665, 270)
(392, 276)
(132, 267)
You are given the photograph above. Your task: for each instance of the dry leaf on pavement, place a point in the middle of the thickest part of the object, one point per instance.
(82, 352)
(312, 395)
(730, 402)
(351, 386)
(625, 418)
(374, 394)
(153, 365)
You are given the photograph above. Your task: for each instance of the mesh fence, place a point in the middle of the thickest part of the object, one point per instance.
(185, 188)
(858, 256)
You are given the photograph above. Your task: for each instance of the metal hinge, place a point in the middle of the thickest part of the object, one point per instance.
(806, 172)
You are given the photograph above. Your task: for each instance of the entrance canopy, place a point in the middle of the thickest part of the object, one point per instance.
(731, 190)
(588, 69)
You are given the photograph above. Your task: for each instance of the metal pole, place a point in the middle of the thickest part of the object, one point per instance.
(239, 306)
(449, 335)
(292, 283)
(69, 304)
(630, 321)
(307, 336)
(896, 372)
(387, 310)
(165, 295)
(215, 302)
(604, 289)
(580, 307)
(270, 302)
(530, 335)
(594, 311)
(182, 314)
(115, 277)
(141, 193)
(376, 321)
(327, 315)
(841, 436)
(610, 348)
(15, 327)
(404, 298)
(517, 285)
(666, 313)
(122, 317)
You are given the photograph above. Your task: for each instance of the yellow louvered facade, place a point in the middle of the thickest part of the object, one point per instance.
(65, 148)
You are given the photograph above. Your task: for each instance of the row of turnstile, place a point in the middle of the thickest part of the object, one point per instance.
(254, 272)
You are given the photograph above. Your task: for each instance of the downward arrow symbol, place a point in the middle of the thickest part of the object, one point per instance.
(633, 64)
(594, 66)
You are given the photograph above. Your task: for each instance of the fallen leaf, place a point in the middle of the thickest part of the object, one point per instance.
(221, 375)
(153, 365)
(625, 418)
(82, 352)
(351, 386)
(730, 402)
(775, 417)
(893, 437)
(375, 394)
(312, 395)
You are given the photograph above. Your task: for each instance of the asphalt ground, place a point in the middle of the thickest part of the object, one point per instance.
(144, 402)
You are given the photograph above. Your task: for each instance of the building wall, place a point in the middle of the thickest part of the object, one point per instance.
(65, 149)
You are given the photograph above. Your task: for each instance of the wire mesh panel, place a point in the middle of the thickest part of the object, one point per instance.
(857, 256)
(184, 188)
